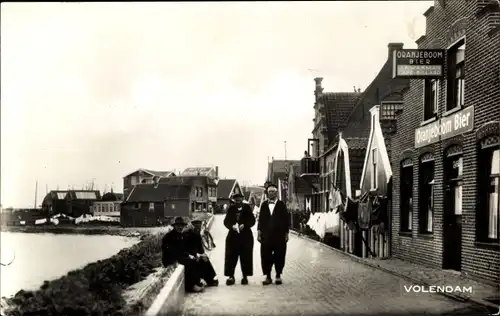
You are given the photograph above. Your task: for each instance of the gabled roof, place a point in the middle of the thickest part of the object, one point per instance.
(338, 107)
(158, 193)
(198, 171)
(225, 188)
(153, 173)
(377, 137)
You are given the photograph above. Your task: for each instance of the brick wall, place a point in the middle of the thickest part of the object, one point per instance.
(447, 22)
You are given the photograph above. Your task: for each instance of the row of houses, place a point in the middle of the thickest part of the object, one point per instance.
(149, 198)
(424, 136)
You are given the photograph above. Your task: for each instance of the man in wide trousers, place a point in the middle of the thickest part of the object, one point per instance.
(239, 221)
(273, 229)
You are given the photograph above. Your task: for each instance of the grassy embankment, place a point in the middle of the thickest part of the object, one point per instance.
(99, 287)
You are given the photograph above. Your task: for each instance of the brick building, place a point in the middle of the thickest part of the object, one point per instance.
(446, 184)
(345, 120)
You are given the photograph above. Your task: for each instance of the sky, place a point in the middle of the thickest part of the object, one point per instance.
(93, 91)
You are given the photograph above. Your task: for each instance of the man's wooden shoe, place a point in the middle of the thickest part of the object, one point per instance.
(267, 281)
(230, 281)
(278, 281)
(214, 282)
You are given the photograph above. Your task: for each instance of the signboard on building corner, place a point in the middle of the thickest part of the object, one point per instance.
(418, 63)
(452, 125)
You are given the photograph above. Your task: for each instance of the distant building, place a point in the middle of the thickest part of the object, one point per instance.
(109, 205)
(14, 217)
(225, 190)
(278, 169)
(149, 204)
(253, 195)
(143, 176)
(211, 172)
(203, 190)
(71, 202)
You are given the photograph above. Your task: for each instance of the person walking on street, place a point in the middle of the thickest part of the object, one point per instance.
(273, 228)
(239, 221)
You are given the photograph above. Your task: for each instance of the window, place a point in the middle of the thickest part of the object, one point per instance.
(489, 192)
(133, 181)
(388, 110)
(426, 189)
(456, 76)
(406, 194)
(151, 207)
(374, 171)
(172, 206)
(431, 87)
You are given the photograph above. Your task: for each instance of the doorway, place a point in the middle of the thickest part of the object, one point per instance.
(452, 230)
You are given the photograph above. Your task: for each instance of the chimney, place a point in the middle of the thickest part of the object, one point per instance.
(319, 89)
(217, 171)
(392, 47)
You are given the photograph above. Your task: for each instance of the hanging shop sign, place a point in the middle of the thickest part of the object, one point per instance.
(418, 63)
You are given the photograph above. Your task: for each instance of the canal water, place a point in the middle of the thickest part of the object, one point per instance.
(40, 257)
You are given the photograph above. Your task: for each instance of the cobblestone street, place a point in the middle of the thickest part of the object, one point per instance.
(317, 281)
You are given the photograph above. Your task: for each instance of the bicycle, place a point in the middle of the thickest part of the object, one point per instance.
(206, 238)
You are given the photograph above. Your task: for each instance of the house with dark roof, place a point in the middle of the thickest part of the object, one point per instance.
(278, 169)
(149, 204)
(203, 190)
(225, 190)
(73, 203)
(143, 176)
(341, 147)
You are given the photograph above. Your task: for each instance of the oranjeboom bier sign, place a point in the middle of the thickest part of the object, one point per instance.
(418, 63)
(446, 127)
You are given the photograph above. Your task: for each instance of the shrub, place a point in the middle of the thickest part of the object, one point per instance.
(95, 289)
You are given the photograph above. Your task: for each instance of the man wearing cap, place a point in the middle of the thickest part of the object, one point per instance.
(175, 248)
(239, 241)
(273, 228)
(195, 244)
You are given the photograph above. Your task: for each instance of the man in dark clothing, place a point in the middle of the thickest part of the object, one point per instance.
(273, 229)
(175, 249)
(239, 241)
(196, 249)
